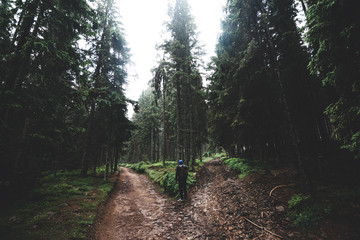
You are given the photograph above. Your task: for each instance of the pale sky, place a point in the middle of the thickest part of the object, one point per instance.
(143, 23)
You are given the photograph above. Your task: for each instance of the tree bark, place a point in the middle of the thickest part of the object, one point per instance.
(116, 159)
(178, 120)
(88, 146)
(165, 129)
(106, 174)
(152, 145)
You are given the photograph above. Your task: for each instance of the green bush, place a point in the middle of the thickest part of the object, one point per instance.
(305, 212)
(139, 167)
(164, 175)
(170, 185)
(297, 200)
(243, 166)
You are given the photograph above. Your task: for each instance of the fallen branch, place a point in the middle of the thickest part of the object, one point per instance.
(258, 237)
(288, 185)
(274, 234)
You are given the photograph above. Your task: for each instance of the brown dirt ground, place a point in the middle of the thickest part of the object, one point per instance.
(220, 206)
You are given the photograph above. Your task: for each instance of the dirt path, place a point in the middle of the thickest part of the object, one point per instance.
(134, 210)
(219, 207)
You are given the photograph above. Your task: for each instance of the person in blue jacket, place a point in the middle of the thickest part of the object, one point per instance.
(181, 177)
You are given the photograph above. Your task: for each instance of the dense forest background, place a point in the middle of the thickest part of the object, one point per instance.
(63, 68)
(277, 92)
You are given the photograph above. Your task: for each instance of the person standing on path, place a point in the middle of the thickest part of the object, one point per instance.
(181, 177)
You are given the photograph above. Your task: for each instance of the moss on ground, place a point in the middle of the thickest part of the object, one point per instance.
(59, 207)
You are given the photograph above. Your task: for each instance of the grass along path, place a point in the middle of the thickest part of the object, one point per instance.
(59, 207)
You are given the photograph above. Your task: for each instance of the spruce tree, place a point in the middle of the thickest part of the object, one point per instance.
(181, 54)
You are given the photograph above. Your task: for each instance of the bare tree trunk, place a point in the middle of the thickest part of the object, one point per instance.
(111, 159)
(106, 174)
(165, 129)
(152, 145)
(158, 147)
(88, 146)
(178, 120)
(192, 140)
(116, 159)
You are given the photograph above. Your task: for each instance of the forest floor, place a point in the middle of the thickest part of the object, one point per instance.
(220, 206)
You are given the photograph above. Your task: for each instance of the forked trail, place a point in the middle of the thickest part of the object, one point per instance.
(220, 206)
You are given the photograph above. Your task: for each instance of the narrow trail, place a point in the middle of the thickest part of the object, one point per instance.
(134, 210)
(216, 209)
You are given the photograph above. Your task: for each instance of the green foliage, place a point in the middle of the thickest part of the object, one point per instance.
(48, 84)
(170, 185)
(177, 99)
(260, 84)
(138, 167)
(243, 166)
(334, 35)
(62, 206)
(308, 211)
(147, 130)
(297, 200)
(164, 176)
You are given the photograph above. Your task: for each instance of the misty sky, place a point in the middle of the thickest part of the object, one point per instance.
(143, 23)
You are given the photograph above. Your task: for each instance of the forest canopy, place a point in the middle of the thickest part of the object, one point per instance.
(277, 92)
(62, 102)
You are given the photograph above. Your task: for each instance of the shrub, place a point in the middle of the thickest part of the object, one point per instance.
(243, 166)
(306, 212)
(297, 200)
(170, 185)
(164, 176)
(138, 167)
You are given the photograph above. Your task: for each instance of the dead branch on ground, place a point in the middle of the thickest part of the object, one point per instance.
(288, 185)
(274, 234)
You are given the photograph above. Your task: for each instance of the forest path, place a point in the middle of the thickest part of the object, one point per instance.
(219, 207)
(134, 211)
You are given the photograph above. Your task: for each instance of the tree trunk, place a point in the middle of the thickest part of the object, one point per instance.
(200, 154)
(116, 159)
(88, 146)
(106, 174)
(165, 129)
(303, 6)
(157, 147)
(111, 159)
(21, 57)
(152, 145)
(291, 127)
(178, 120)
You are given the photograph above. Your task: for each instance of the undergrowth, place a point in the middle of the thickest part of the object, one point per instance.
(59, 207)
(243, 166)
(309, 210)
(164, 176)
